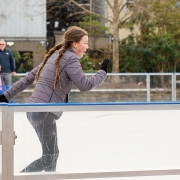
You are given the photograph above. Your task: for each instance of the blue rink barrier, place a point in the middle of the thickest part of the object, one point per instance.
(96, 106)
(4, 88)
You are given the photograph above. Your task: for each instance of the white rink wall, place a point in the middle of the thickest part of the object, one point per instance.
(107, 141)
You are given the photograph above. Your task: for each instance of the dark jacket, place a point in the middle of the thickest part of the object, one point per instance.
(70, 71)
(7, 61)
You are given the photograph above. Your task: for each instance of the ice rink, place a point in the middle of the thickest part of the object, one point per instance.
(107, 141)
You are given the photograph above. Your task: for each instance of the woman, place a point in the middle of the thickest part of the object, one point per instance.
(54, 77)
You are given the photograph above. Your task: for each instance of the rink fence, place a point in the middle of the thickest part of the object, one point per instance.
(8, 138)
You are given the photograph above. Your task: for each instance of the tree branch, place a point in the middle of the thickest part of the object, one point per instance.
(122, 7)
(89, 12)
(54, 7)
(109, 4)
(123, 21)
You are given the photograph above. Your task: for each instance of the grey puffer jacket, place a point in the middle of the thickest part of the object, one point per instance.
(70, 72)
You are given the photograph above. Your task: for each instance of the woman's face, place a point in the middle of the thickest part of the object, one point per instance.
(80, 47)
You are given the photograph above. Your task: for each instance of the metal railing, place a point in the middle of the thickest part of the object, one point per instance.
(147, 82)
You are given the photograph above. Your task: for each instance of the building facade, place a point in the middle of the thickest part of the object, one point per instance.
(23, 26)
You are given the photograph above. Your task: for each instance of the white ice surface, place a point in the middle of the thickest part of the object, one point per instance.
(107, 141)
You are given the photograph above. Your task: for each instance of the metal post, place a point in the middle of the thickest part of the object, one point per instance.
(148, 87)
(4, 141)
(91, 5)
(11, 139)
(173, 86)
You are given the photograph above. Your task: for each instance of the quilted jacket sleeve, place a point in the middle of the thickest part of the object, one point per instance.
(80, 80)
(22, 84)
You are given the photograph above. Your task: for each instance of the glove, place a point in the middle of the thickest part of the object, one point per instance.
(3, 98)
(104, 65)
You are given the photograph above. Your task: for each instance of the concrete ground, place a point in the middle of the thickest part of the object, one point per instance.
(107, 141)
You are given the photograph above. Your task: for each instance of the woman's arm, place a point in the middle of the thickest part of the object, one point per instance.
(80, 80)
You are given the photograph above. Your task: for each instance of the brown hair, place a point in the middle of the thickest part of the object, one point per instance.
(73, 34)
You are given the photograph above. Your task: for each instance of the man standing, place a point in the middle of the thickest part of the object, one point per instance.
(7, 64)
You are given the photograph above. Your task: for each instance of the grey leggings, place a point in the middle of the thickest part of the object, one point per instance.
(44, 123)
